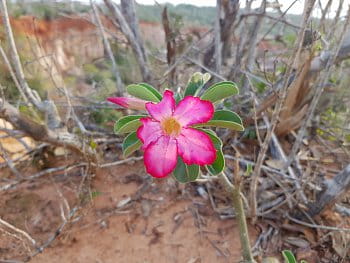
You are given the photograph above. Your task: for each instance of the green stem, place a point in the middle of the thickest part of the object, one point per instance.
(241, 218)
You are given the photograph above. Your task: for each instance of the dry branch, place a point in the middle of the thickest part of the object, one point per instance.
(320, 88)
(226, 16)
(46, 107)
(282, 94)
(334, 189)
(40, 132)
(119, 19)
(170, 45)
(107, 47)
(217, 39)
(129, 12)
(13, 228)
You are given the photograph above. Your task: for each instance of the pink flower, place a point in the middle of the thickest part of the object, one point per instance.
(131, 103)
(168, 133)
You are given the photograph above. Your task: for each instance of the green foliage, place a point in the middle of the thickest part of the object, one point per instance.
(220, 91)
(289, 257)
(128, 124)
(219, 164)
(103, 116)
(189, 14)
(259, 86)
(290, 39)
(46, 9)
(100, 75)
(196, 83)
(131, 144)
(224, 119)
(95, 73)
(127, 63)
(144, 91)
(34, 79)
(333, 128)
(184, 173)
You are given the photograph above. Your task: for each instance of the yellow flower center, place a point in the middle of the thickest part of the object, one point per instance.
(171, 126)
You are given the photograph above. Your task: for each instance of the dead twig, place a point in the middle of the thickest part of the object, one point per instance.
(17, 230)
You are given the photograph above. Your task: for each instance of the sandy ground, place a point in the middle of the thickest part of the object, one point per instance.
(131, 218)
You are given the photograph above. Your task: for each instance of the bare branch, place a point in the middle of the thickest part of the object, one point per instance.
(334, 189)
(107, 47)
(218, 37)
(40, 132)
(320, 88)
(127, 31)
(283, 93)
(23, 233)
(47, 107)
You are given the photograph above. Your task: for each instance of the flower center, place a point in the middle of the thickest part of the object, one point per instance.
(171, 127)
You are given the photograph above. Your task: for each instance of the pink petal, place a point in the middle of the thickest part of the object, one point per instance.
(193, 110)
(130, 103)
(160, 157)
(149, 131)
(163, 109)
(195, 147)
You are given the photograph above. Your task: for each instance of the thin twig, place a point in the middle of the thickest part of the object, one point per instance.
(107, 46)
(331, 228)
(319, 91)
(23, 233)
(55, 235)
(131, 159)
(283, 94)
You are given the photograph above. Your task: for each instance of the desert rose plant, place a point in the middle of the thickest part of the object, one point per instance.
(174, 134)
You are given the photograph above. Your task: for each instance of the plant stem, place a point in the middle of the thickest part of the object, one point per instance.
(242, 226)
(241, 218)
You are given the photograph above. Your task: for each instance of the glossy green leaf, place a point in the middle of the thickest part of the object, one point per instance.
(288, 256)
(144, 91)
(224, 119)
(184, 173)
(219, 164)
(220, 91)
(196, 83)
(153, 90)
(131, 144)
(128, 124)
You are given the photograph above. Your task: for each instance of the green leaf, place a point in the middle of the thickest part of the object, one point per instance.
(131, 144)
(288, 256)
(224, 119)
(184, 173)
(144, 91)
(128, 124)
(220, 91)
(153, 90)
(196, 83)
(219, 164)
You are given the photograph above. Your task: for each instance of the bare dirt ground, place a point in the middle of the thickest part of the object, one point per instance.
(126, 217)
